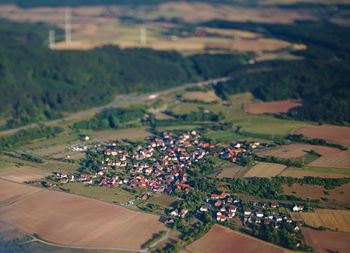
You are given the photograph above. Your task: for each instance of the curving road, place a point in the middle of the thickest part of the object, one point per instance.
(119, 100)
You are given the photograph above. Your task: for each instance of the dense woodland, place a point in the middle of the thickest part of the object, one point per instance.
(321, 79)
(38, 84)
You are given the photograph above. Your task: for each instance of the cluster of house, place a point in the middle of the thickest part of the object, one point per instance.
(224, 208)
(159, 166)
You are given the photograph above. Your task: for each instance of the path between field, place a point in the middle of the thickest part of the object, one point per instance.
(89, 248)
(166, 236)
(118, 101)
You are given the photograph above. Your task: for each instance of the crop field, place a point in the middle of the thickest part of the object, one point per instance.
(338, 134)
(23, 174)
(332, 219)
(98, 26)
(73, 220)
(229, 171)
(330, 157)
(221, 240)
(315, 172)
(265, 170)
(199, 12)
(272, 107)
(133, 134)
(208, 96)
(326, 241)
(337, 197)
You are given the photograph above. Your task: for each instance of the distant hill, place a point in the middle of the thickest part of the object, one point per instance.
(38, 84)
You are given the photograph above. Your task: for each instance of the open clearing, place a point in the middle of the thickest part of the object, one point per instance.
(332, 219)
(23, 174)
(208, 96)
(272, 107)
(326, 241)
(336, 134)
(338, 197)
(265, 170)
(73, 220)
(221, 240)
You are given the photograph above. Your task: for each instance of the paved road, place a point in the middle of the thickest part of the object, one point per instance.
(118, 101)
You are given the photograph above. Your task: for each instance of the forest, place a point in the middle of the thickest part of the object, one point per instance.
(321, 79)
(39, 84)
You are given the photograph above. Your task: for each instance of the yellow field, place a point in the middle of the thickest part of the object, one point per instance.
(333, 219)
(208, 96)
(265, 170)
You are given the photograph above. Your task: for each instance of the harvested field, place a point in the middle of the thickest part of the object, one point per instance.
(272, 107)
(208, 96)
(336, 134)
(221, 240)
(338, 197)
(265, 170)
(229, 172)
(300, 173)
(23, 174)
(332, 219)
(330, 157)
(326, 241)
(130, 133)
(73, 220)
(198, 12)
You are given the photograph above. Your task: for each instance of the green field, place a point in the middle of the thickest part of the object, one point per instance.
(322, 169)
(105, 194)
(224, 136)
(6, 165)
(163, 200)
(269, 125)
(306, 159)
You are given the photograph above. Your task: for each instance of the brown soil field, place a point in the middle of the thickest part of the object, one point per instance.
(273, 56)
(23, 174)
(272, 107)
(336, 134)
(208, 96)
(328, 218)
(309, 173)
(330, 157)
(326, 241)
(336, 160)
(73, 220)
(265, 170)
(221, 240)
(131, 134)
(338, 197)
(197, 12)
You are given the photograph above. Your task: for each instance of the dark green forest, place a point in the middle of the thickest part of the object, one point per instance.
(321, 79)
(38, 84)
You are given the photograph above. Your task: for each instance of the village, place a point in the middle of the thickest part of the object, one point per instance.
(162, 166)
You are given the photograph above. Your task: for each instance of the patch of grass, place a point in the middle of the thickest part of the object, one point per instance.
(6, 165)
(268, 125)
(224, 136)
(323, 169)
(163, 200)
(306, 159)
(113, 195)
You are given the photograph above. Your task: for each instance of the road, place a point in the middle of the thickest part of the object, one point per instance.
(118, 101)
